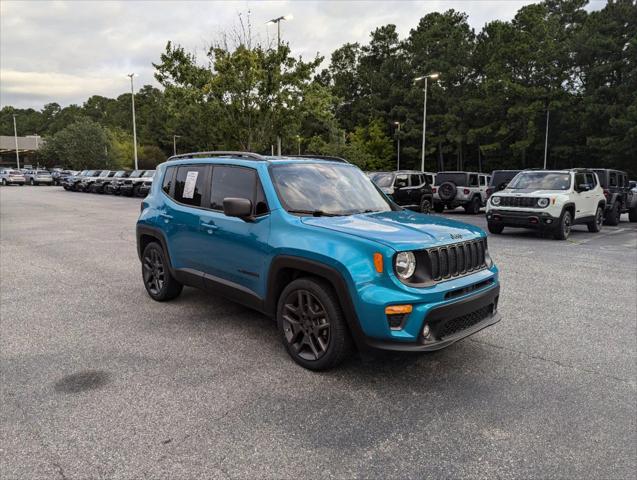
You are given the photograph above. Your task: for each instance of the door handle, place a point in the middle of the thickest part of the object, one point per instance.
(209, 227)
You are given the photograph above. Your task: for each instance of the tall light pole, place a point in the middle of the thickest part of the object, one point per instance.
(175, 137)
(546, 135)
(398, 144)
(433, 76)
(15, 136)
(298, 139)
(132, 91)
(278, 21)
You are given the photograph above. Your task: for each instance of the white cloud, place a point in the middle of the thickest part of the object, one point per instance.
(66, 51)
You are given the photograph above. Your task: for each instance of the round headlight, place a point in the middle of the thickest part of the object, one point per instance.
(495, 200)
(405, 265)
(542, 202)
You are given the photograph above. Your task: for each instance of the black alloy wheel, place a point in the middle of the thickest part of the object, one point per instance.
(32, 182)
(474, 206)
(154, 272)
(4, 182)
(306, 326)
(159, 282)
(312, 325)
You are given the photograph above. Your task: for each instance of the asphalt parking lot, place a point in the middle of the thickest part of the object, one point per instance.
(99, 381)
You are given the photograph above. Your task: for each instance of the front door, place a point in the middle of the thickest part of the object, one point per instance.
(238, 247)
(401, 189)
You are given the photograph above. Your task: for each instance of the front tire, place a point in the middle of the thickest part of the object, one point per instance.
(159, 283)
(632, 214)
(564, 226)
(439, 207)
(613, 216)
(425, 205)
(312, 324)
(495, 228)
(596, 225)
(4, 182)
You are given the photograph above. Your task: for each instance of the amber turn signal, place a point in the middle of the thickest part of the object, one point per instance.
(378, 262)
(398, 309)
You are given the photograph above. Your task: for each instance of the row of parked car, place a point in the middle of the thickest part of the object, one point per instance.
(10, 176)
(131, 183)
(530, 198)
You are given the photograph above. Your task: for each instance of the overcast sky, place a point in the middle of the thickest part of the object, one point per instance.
(64, 51)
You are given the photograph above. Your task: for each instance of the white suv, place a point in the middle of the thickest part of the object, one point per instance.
(550, 200)
(466, 189)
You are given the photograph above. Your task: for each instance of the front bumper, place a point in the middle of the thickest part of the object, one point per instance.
(16, 180)
(522, 219)
(449, 323)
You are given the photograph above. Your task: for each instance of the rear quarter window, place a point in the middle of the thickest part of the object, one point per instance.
(189, 184)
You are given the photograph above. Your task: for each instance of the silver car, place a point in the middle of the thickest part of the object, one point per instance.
(9, 176)
(38, 177)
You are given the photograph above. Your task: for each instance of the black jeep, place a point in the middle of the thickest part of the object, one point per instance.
(499, 180)
(408, 188)
(617, 191)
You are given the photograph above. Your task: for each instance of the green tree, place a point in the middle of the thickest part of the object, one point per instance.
(83, 144)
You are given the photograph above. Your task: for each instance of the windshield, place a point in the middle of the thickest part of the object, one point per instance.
(382, 179)
(14, 172)
(327, 189)
(149, 173)
(136, 173)
(43, 172)
(541, 181)
(457, 178)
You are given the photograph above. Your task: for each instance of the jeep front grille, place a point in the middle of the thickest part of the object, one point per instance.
(457, 259)
(525, 202)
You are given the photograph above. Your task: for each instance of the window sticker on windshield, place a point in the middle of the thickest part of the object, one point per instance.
(189, 187)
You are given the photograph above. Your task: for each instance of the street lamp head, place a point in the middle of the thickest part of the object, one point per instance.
(396, 123)
(433, 76)
(289, 16)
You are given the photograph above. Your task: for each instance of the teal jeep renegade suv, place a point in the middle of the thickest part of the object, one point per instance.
(313, 243)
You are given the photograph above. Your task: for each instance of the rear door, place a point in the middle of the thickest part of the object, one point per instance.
(180, 217)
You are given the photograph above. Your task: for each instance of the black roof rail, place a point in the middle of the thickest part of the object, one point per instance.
(218, 153)
(320, 157)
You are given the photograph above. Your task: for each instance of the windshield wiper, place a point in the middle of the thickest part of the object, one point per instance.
(315, 213)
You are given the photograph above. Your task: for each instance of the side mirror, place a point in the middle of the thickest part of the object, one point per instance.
(237, 207)
(583, 187)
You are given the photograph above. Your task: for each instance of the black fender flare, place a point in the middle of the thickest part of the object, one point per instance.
(312, 267)
(158, 235)
(568, 205)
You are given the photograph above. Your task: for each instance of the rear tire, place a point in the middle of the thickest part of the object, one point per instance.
(312, 324)
(159, 283)
(439, 207)
(135, 192)
(495, 228)
(564, 226)
(632, 214)
(4, 182)
(596, 225)
(613, 215)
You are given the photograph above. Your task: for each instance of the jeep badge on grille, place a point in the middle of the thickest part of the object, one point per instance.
(456, 236)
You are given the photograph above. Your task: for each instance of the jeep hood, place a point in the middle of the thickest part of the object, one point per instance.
(518, 192)
(401, 230)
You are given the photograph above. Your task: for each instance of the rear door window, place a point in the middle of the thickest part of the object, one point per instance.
(416, 180)
(483, 180)
(189, 184)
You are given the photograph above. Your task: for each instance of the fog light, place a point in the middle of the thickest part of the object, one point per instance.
(425, 331)
(549, 220)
